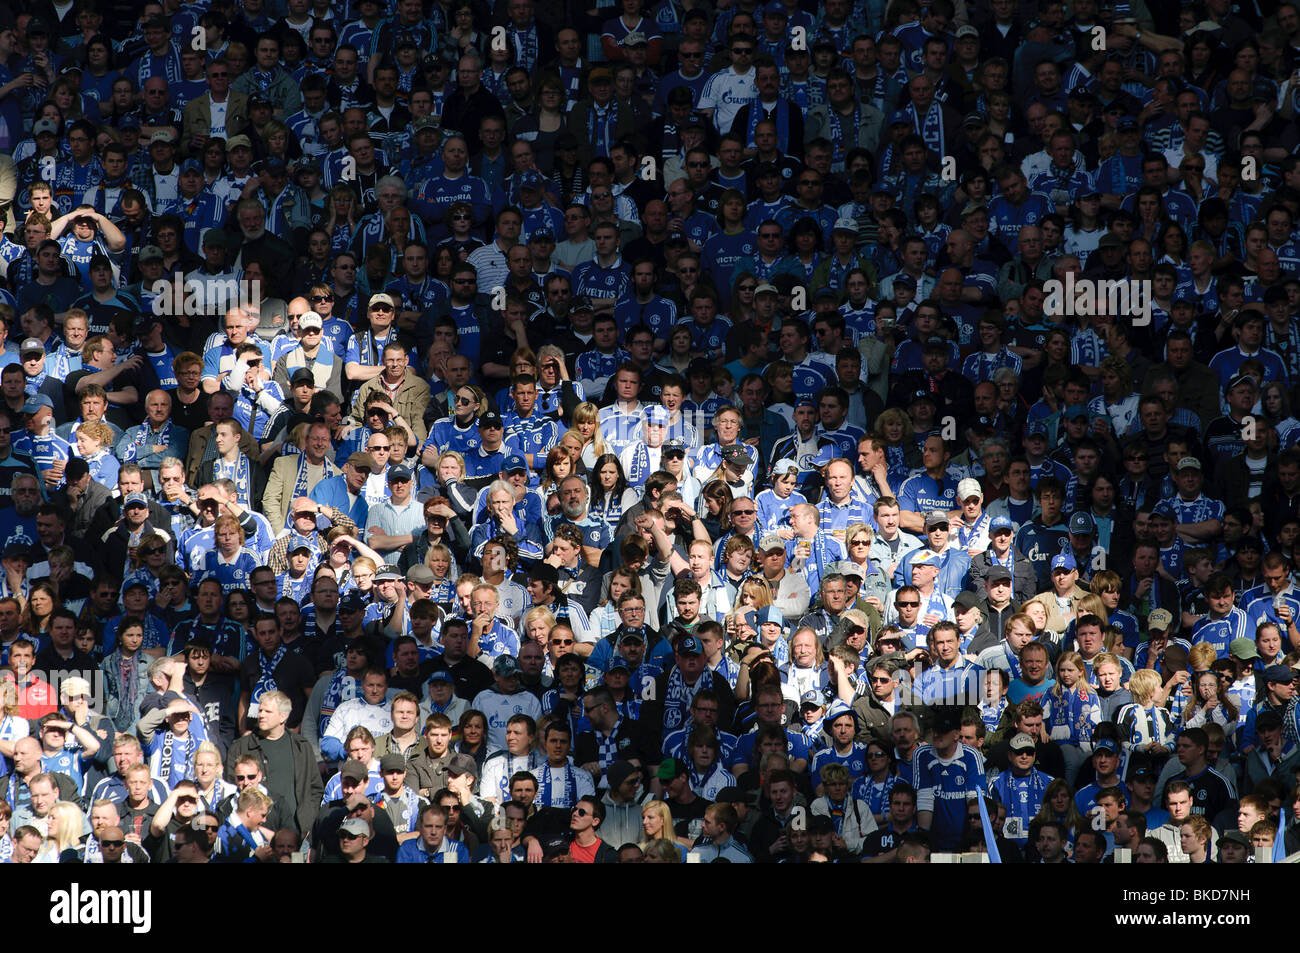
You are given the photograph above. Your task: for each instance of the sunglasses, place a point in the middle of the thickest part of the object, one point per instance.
(381, 307)
(743, 512)
(907, 605)
(112, 843)
(460, 218)
(581, 811)
(322, 298)
(152, 551)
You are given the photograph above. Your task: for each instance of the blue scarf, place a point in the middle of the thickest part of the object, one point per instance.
(600, 129)
(930, 127)
(240, 473)
(780, 114)
(837, 137)
(525, 47)
(300, 487)
(570, 786)
(266, 680)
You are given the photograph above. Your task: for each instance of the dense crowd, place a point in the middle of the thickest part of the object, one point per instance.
(648, 432)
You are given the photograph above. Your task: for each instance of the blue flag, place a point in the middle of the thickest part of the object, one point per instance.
(1279, 845)
(991, 842)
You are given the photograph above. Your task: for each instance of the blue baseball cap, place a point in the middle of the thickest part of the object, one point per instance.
(515, 463)
(442, 675)
(399, 472)
(353, 601)
(805, 402)
(656, 414)
(1075, 411)
(36, 403)
(824, 456)
(1035, 428)
(1164, 509)
(812, 698)
(617, 662)
(689, 645)
(134, 499)
(1064, 561)
(900, 116)
(1001, 522)
(531, 179)
(1082, 524)
(839, 709)
(775, 8)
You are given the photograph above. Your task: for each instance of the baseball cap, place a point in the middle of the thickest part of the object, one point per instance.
(782, 467)
(531, 179)
(506, 666)
(489, 420)
(238, 142)
(216, 238)
(353, 770)
(845, 225)
(770, 541)
(766, 288)
(656, 414)
(935, 518)
(617, 661)
(620, 771)
(310, 319)
(1187, 463)
(1105, 744)
(154, 253)
(420, 574)
(361, 459)
(1243, 648)
(900, 118)
(998, 574)
(15, 550)
(1075, 411)
(965, 31)
(36, 403)
(600, 75)
(812, 699)
(1232, 836)
(134, 499)
(1236, 381)
(387, 573)
(356, 826)
(352, 601)
(674, 445)
(631, 635)
(381, 298)
(462, 763)
(966, 600)
(442, 675)
(768, 615)
(399, 473)
(1036, 428)
(635, 38)
(43, 126)
(968, 488)
(671, 768)
(1082, 524)
(736, 453)
(391, 762)
(1064, 561)
(1127, 124)
(689, 645)
(297, 542)
(1164, 510)
(923, 557)
(192, 165)
(31, 346)
(1000, 523)
(1022, 742)
(1279, 673)
(162, 136)
(1160, 620)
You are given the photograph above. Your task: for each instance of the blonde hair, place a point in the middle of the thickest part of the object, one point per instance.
(665, 815)
(99, 431)
(451, 454)
(757, 588)
(536, 612)
(587, 413)
(66, 824)
(1201, 657)
(1143, 686)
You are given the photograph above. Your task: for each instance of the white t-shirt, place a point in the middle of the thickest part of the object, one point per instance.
(725, 93)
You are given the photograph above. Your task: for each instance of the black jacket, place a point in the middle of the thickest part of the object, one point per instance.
(307, 784)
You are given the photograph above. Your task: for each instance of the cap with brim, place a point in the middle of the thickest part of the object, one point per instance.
(845, 225)
(36, 403)
(1022, 742)
(1187, 463)
(812, 699)
(1082, 524)
(1279, 673)
(770, 542)
(388, 574)
(310, 319)
(1001, 523)
(462, 763)
(353, 771)
(689, 645)
(381, 298)
(213, 238)
(31, 346)
(1238, 380)
(356, 826)
(1159, 620)
(674, 446)
(618, 772)
(766, 288)
(162, 137)
(490, 420)
(421, 575)
(1243, 649)
(968, 488)
(1232, 837)
(515, 463)
(360, 459)
(442, 675)
(1064, 561)
(238, 142)
(656, 414)
(152, 253)
(998, 574)
(44, 127)
(507, 666)
(975, 119)
(671, 768)
(1110, 240)
(735, 454)
(936, 518)
(600, 75)
(399, 473)
(966, 600)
